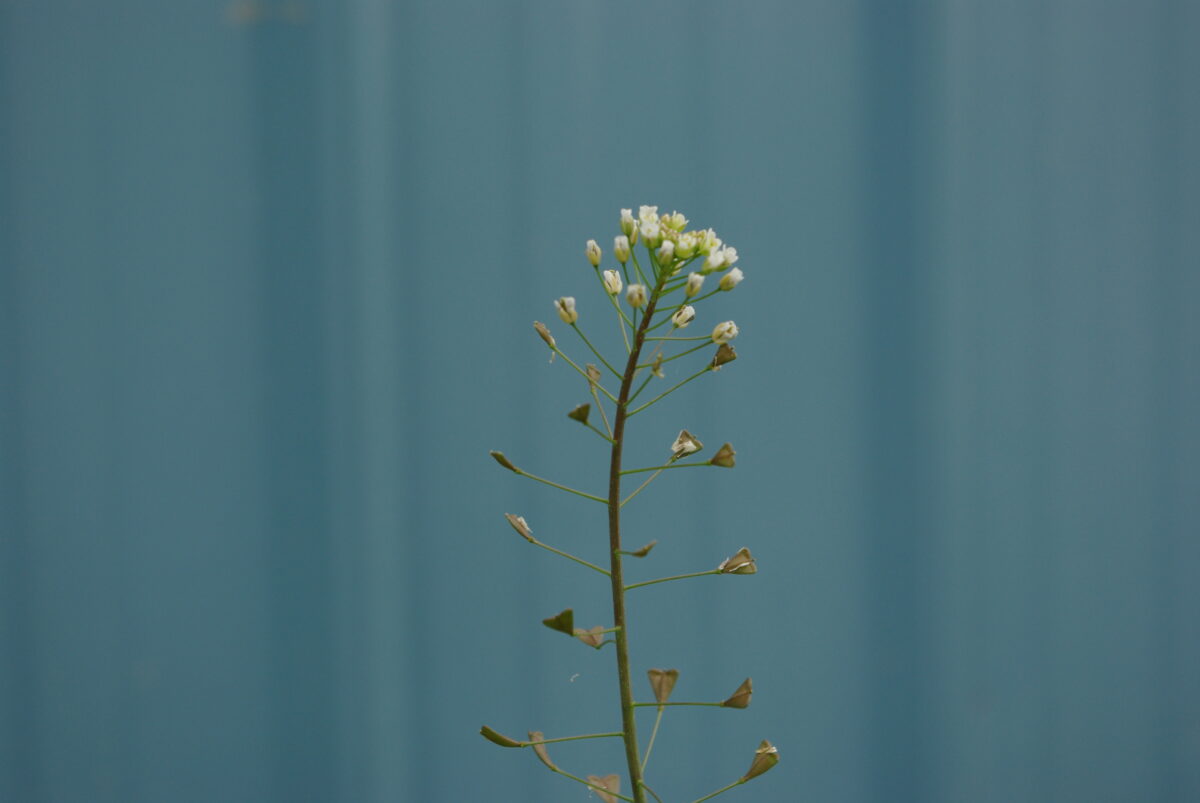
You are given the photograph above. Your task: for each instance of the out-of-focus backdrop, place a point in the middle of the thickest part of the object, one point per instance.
(267, 274)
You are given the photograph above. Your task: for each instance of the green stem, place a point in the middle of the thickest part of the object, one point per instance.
(653, 736)
(583, 373)
(621, 321)
(640, 487)
(701, 337)
(553, 484)
(662, 395)
(738, 782)
(603, 415)
(647, 705)
(674, 577)
(664, 468)
(599, 356)
(573, 738)
(568, 555)
(642, 386)
(593, 428)
(651, 791)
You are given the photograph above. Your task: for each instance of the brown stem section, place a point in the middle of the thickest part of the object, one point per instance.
(628, 722)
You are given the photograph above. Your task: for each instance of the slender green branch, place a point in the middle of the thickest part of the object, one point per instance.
(567, 555)
(647, 705)
(622, 321)
(685, 353)
(649, 480)
(583, 373)
(651, 791)
(593, 428)
(674, 577)
(642, 386)
(692, 301)
(738, 782)
(575, 738)
(603, 415)
(599, 356)
(653, 736)
(665, 393)
(638, 265)
(553, 484)
(588, 784)
(664, 468)
(700, 337)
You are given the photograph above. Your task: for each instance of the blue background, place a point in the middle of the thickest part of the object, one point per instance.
(267, 273)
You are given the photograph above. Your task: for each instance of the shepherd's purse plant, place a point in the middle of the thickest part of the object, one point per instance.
(660, 302)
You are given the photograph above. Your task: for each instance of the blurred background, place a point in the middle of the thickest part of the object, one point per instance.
(267, 274)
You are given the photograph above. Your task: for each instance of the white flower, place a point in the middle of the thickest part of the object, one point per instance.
(612, 282)
(685, 445)
(636, 295)
(593, 253)
(566, 309)
(694, 282)
(652, 233)
(731, 254)
(621, 248)
(724, 332)
(648, 214)
(713, 262)
(675, 221)
(709, 241)
(687, 246)
(730, 280)
(665, 253)
(682, 317)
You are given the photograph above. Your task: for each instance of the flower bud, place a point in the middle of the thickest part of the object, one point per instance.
(686, 249)
(740, 563)
(502, 460)
(741, 697)
(593, 253)
(612, 281)
(724, 354)
(724, 332)
(648, 214)
(765, 757)
(611, 783)
(665, 253)
(566, 309)
(724, 457)
(694, 282)
(682, 317)
(652, 233)
(731, 280)
(629, 226)
(662, 681)
(636, 295)
(709, 242)
(518, 524)
(537, 737)
(544, 333)
(580, 413)
(498, 738)
(685, 444)
(621, 248)
(731, 254)
(675, 221)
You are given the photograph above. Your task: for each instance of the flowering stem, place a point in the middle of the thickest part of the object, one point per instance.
(552, 484)
(567, 555)
(704, 370)
(675, 577)
(583, 373)
(599, 356)
(738, 782)
(653, 735)
(573, 738)
(664, 468)
(628, 718)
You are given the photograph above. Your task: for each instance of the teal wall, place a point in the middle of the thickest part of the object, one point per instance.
(267, 271)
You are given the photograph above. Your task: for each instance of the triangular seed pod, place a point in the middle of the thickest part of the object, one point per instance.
(563, 622)
(540, 749)
(662, 681)
(610, 782)
(765, 757)
(741, 697)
